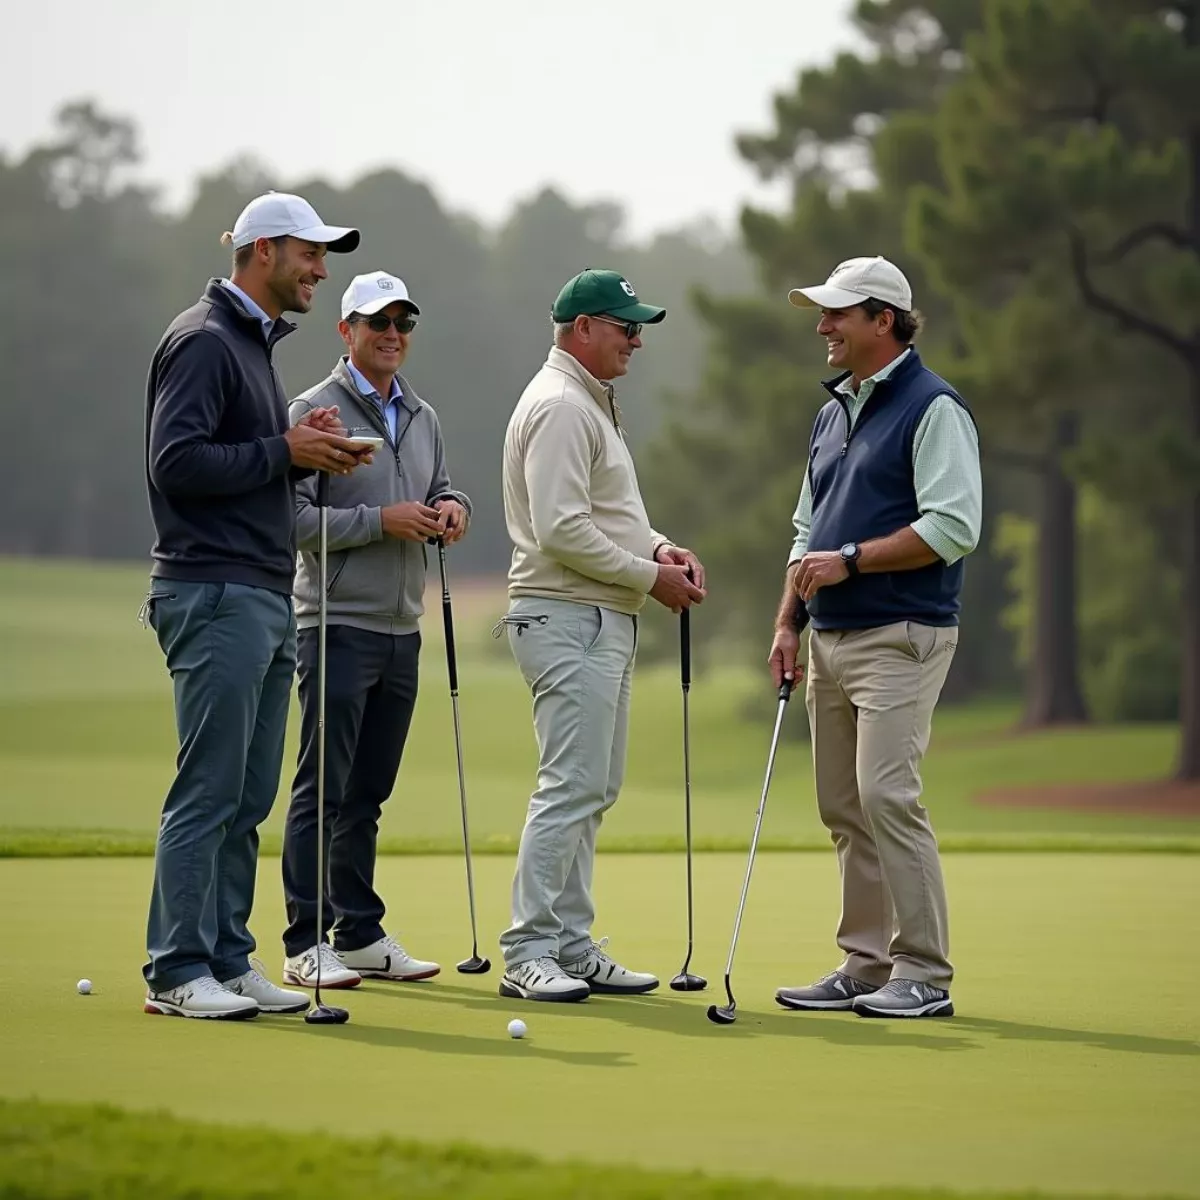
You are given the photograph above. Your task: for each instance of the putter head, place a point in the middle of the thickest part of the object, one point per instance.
(324, 1014)
(687, 982)
(722, 1014)
(475, 965)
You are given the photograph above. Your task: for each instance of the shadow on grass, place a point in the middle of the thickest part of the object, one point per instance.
(686, 1016)
(392, 1037)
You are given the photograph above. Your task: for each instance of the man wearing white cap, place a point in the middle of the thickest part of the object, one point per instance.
(379, 521)
(222, 465)
(890, 506)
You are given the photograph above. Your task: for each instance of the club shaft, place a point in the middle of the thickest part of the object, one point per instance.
(762, 807)
(687, 821)
(452, 672)
(323, 614)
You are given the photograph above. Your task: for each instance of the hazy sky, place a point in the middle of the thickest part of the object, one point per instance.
(484, 101)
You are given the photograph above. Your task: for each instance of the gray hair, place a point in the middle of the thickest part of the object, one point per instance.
(562, 330)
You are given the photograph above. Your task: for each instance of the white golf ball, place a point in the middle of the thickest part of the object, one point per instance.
(84, 987)
(516, 1028)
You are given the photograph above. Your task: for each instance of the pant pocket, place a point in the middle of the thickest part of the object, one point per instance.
(591, 625)
(920, 640)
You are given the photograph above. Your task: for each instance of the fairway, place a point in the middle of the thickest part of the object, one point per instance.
(87, 739)
(1074, 1064)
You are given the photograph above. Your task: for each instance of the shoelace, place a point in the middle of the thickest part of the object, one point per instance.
(329, 960)
(206, 985)
(394, 947)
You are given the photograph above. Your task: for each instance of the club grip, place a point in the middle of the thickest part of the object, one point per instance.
(448, 620)
(322, 489)
(685, 647)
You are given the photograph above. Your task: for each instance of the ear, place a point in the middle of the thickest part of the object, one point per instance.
(264, 250)
(344, 329)
(583, 328)
(885, 321)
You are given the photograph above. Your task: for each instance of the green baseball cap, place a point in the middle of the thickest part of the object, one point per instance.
(603, 293)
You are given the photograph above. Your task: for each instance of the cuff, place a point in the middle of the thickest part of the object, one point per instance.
(927, 529)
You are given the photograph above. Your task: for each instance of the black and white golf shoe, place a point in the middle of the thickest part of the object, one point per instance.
(542, 979)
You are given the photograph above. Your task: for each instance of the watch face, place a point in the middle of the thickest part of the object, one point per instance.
(849, 550)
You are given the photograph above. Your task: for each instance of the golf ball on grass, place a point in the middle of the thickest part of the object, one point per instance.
(84, 987)
(516, 1028)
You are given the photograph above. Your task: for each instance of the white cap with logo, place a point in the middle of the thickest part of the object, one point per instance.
(856, 280)
(280, 214)
(368, 294)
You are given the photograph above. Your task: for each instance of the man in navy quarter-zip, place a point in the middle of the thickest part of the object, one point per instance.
(890, 506)
(379, 522)
(222, 465)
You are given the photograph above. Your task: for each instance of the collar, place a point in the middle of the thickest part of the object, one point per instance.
(568, 364)
(908, 358)
(367, 388)
(249, 304)
(241, 307)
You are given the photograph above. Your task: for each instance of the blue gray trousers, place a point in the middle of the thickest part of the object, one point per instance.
(578, 662)
(231, 651)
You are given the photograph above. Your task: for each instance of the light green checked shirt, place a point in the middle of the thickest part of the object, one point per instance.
(946, 474)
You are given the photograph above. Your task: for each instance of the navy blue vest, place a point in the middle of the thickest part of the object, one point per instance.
(862, 488)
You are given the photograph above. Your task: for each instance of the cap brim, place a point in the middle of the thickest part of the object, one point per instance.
(380, 303)
(337, 239)
(825, 297)
(643, 314)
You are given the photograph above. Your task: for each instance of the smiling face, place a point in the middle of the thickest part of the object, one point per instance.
(377, 354)
(294, 269)
(854, 340)
(603, 346)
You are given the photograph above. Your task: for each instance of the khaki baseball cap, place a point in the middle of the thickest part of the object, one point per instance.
(856, 280)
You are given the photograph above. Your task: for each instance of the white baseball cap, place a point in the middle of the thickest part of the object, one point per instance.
(368, 294)
(280, 214)
(856, 280)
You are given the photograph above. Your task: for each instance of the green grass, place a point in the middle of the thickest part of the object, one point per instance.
(123, 1156)
(1073, 1066)
(87, 743)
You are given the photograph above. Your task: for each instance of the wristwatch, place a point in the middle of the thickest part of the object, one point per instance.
(850, 552)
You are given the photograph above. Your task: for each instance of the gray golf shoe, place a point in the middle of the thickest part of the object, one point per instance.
(835, 992)
(905, 998)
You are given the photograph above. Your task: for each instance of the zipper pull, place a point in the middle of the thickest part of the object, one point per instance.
(845, 447)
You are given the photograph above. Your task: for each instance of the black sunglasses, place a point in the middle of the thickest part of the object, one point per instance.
(631, 329)
(379, 323)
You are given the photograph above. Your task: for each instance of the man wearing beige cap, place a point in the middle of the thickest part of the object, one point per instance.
(584, 560)
(890, 506)
(379, 520)
(222, 466)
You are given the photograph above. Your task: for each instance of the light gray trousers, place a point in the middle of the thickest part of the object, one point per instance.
(578, 662)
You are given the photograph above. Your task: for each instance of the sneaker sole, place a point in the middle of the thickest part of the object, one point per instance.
(284, 1009)
(938, 1008)
(607, 989)
(156, 1008)
(366, 973)
(515, 992)
(294, 981)
(814, 1005)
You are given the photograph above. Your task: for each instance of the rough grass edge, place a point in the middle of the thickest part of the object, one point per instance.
(60, 1151)
(108, 843)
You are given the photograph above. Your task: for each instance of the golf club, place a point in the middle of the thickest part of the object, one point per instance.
(323, 1014)
(475, 965)
(685, 981)
(726, 1014)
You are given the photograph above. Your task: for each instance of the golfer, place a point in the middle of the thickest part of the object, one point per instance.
(584, 559)
(222, 465)
(889, 508)
(379, 521)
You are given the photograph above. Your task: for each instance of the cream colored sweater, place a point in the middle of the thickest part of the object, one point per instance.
(571, 499)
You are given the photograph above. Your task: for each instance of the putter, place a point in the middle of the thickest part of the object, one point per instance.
(726, 1014)
(685, 981)
(475, 965)
(323, 1014)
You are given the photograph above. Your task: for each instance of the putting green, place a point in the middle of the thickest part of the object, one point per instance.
(1074, 1065)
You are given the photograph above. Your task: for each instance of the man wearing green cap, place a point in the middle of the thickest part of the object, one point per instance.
(584, 560)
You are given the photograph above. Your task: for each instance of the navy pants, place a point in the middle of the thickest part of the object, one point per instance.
(231, 651)
(371, 691)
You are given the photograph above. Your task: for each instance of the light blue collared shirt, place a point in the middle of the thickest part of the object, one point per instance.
(252, 307)
(390, 410)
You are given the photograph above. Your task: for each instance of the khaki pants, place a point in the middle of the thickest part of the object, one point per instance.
(871, 695)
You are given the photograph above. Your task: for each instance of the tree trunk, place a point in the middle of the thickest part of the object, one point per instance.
(1188, 767)
(1054, 693)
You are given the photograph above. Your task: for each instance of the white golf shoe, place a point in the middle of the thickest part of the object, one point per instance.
(300, 970)
(605, 975)
(202, 997)
(386, 959)
(269, 998)
(542, 979)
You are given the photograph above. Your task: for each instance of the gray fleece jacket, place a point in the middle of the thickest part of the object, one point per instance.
(374, 582)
